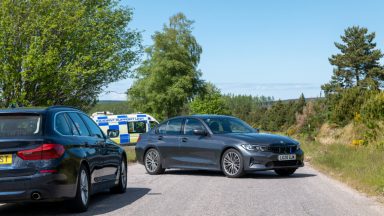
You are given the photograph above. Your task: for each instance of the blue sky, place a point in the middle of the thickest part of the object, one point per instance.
(271, 48)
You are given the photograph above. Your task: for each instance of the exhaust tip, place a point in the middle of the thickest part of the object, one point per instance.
(36, 196)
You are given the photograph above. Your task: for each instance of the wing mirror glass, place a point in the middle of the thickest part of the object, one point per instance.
(112, 133)
(200, 132)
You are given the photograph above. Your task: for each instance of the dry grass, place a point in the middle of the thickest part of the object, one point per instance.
(130, 150)
(330, 134)
(358, 166)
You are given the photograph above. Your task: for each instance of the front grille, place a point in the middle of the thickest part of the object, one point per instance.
(282, 149)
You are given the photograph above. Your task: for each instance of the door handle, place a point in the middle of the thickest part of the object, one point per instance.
(184, 139)
(160, 137)
(86, 144)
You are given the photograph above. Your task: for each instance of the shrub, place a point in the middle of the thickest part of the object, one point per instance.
(344, 105)
(373, 108)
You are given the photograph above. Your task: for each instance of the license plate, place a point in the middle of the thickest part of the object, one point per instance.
(6, 159)
(287, 157)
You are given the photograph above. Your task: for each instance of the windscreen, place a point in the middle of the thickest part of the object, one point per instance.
(224, 125)
(20, 125)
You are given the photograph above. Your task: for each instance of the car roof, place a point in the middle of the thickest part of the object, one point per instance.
(38, 110)
(205, 116)
(202, 116)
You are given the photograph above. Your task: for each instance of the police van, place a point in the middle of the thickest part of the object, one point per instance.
(127, 126)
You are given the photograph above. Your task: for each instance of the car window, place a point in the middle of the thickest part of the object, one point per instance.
(137, 127)
(174, 126)
(191, 125)
(95, 130)
(79, 124)
(161, 129)
(153, 124)
(61, 124)
(16, 125)
(73, 127)
(228, 125)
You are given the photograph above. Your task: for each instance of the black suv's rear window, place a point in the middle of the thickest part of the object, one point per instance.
(20, 125)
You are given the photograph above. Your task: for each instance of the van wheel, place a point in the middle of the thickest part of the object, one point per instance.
(152, 162)
(81, 200)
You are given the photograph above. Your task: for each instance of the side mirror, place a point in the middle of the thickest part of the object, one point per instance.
(200, 132)
(257, 130)
(113, 133)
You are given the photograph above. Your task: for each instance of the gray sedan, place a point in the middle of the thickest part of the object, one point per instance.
(215, 142)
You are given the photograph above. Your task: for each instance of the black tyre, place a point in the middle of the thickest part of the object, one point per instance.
(232, 163)
(121, 187)
(285, 172)
(81, 202)
(152, 162)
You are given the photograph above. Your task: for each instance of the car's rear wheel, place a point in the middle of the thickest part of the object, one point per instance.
(81, 201)
(232, 163)
(285, 172)
(152, 162)
(121, 187)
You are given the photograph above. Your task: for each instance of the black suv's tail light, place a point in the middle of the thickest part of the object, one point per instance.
(43, 152)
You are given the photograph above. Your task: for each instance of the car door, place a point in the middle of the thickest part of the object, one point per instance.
(197, 150)
(90, 146)
(167, 139)
(110, 157)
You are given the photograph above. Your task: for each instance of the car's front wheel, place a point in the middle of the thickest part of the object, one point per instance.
(232, 163)
(152, 162)
(285, 172)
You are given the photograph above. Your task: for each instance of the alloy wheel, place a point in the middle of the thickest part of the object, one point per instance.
(123, 174)
(152, 160)
(84, 186)
(231, 163)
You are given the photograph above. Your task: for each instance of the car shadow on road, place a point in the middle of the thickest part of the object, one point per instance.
(256, 175)
(101, 203)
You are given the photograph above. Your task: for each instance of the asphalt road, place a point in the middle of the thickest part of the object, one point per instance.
(179, 192)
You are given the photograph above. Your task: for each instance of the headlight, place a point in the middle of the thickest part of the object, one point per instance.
(250, 147)
(298, 147)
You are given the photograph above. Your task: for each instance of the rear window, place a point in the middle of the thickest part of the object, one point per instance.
(20, 125)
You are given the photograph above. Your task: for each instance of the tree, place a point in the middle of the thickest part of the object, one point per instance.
(63, 52)
(248, 108)
(209, 102)
(358, 62)
(300, 104)
(169, 78)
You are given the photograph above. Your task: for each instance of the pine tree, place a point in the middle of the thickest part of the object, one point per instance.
(357, 64)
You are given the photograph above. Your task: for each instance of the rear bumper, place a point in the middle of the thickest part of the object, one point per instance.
(258, 161)
(50, 186)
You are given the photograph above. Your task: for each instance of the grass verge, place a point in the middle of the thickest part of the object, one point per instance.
(130, 150)
(360, 167)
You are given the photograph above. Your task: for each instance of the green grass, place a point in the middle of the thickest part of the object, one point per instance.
(360, 167)
(130, 150)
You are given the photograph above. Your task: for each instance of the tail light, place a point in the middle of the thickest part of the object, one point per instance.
(43, 152)
(138, 139)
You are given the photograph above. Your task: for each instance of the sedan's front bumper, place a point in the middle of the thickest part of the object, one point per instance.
(269, 161)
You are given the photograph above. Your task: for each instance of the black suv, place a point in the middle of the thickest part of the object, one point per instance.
(57, 153)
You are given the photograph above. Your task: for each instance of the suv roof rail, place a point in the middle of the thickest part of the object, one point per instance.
(60, 106)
